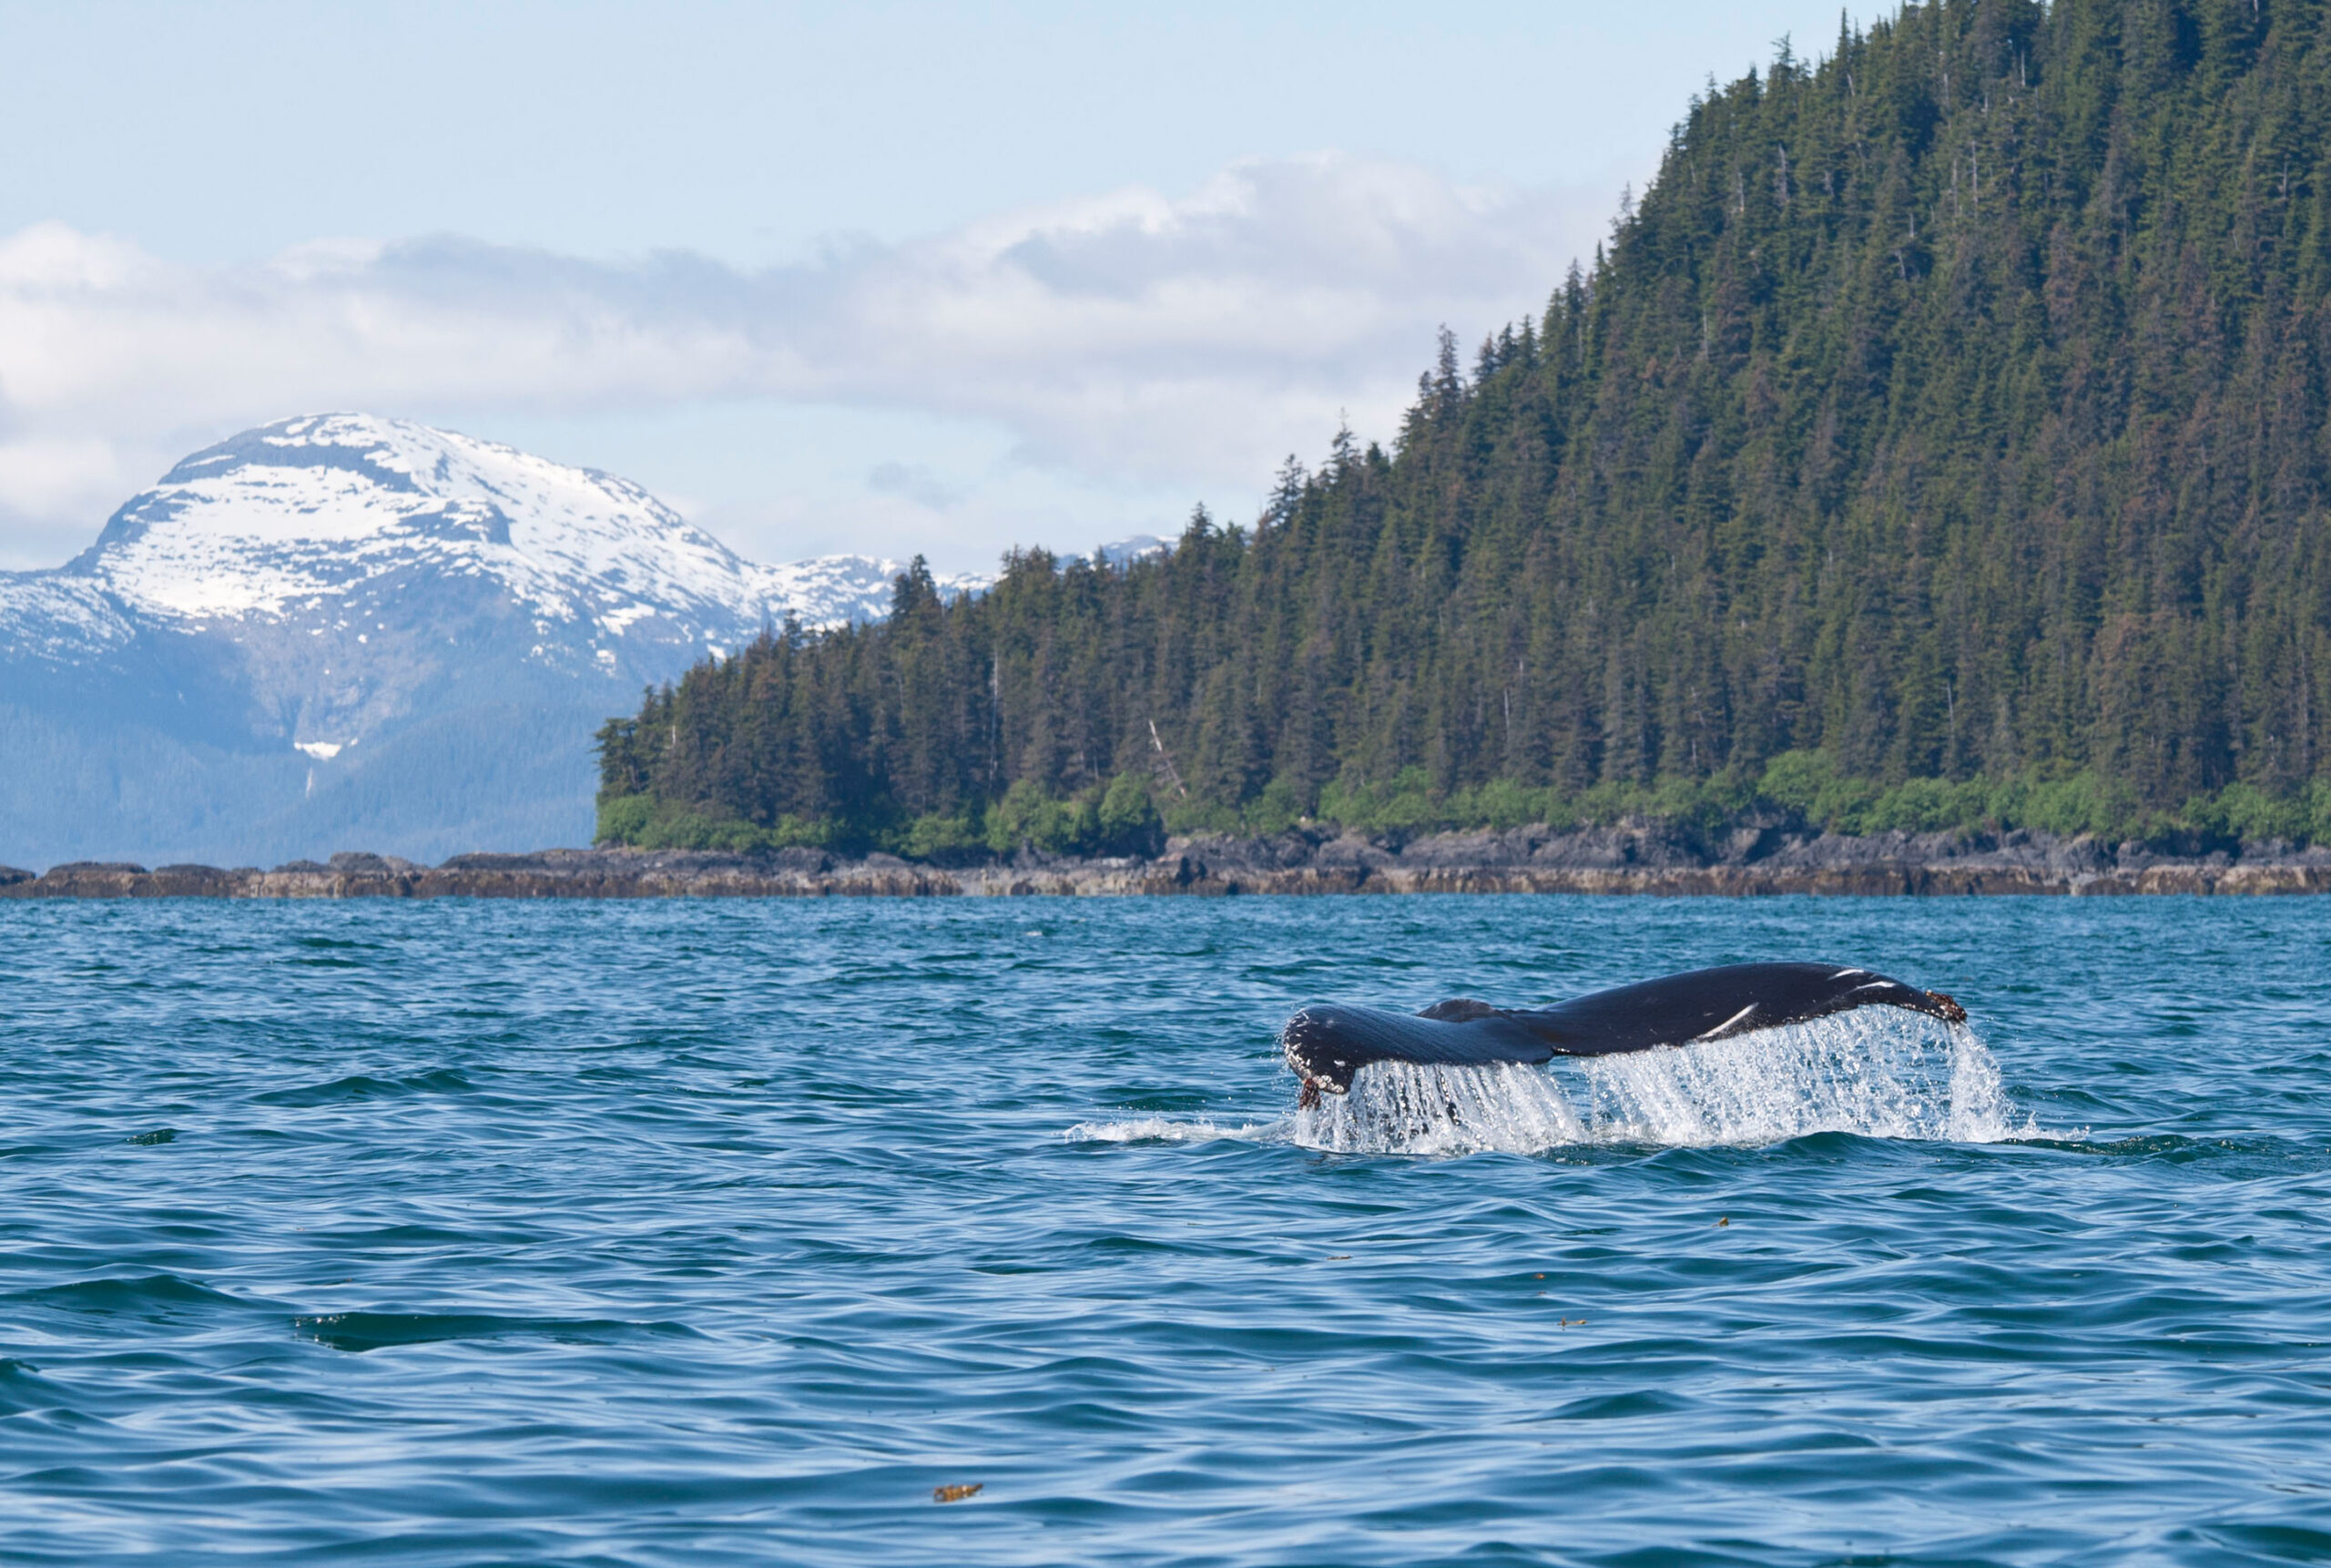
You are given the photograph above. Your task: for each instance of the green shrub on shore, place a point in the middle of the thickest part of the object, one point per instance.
(1121, 819)
(945, 840)
(642, 822)
(1803, 790)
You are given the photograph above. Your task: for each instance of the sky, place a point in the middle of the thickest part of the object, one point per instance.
(867, 278)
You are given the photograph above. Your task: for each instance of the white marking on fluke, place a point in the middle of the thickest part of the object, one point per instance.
(1726, 1025)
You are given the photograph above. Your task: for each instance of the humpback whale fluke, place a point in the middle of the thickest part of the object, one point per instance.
(1326, 1042)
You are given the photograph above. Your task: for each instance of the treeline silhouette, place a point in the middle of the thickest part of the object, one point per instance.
(1940, 440)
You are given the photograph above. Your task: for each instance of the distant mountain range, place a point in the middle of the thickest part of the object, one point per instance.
(345, 631)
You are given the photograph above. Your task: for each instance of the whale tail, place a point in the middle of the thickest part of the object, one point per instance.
(1327, 1043)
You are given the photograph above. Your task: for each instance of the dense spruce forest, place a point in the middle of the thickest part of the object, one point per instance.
(1939, 441)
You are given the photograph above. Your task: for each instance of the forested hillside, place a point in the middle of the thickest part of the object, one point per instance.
(1940, 439)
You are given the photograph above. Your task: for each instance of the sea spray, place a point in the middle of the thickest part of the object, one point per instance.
(1410, 1107)
(1877, 1074)
(1173, 1130)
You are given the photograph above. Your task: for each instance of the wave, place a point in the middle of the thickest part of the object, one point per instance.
(362, 1331)
(146, 1295)
(364, 1086)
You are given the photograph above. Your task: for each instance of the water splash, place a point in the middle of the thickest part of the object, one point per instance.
(1406, 1107)
(1884, 1076)
(1890, 1076)
(1169, 1130)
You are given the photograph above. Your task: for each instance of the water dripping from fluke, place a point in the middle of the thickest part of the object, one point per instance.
(1871, 1074)
(1413, 1108)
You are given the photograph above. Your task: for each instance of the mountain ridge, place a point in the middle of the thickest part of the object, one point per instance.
(257, 636)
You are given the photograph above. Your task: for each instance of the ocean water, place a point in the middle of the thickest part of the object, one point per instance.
(699, 1233)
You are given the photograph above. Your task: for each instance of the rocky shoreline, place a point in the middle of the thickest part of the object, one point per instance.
(1632, 858)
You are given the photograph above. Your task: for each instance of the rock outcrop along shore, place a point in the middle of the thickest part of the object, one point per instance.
(1629, 859)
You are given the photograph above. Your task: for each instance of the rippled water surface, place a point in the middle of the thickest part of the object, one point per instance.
(725, 1232)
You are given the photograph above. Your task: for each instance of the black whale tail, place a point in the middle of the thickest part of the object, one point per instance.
(1326, 1044)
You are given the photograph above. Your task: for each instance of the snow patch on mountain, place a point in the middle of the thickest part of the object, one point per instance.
(279, 521)
(832, 590)
(57, 619)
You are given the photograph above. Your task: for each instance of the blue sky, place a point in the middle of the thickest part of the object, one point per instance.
(829, 278)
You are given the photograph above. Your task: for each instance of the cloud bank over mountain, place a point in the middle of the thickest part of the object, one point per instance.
(1133, 337)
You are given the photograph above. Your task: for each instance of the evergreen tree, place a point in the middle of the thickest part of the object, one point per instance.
(1952, 411)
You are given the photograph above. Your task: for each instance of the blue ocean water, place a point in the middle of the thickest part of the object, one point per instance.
(698, 1233)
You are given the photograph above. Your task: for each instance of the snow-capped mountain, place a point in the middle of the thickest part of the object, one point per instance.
(332, 506)
(325, 590)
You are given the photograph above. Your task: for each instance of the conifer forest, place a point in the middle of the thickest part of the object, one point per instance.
(1939, 441)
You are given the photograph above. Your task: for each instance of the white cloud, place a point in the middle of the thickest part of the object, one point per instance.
(1192, 341)
(917, 481)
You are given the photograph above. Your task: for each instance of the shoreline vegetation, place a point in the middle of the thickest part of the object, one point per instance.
(1636, 857)
(1803, 793)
